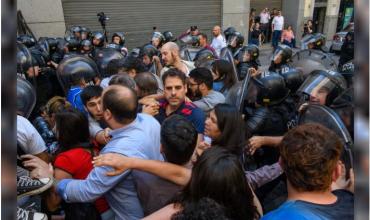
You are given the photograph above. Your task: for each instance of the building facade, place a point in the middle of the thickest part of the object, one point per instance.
(137, 18)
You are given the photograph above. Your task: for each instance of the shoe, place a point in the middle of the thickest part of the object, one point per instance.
(27, 186)
(23, 214)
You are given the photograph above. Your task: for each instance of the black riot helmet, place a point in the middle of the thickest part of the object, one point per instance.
(157, 39)
(26, 97)
(98, 36)
(149, 50)
(204, 58)
(236, 40)
(282, 54)
(271, 89)
(73, 44)
(326, 83)
(26, 40)
(76, 31)
(121, 35)
(72, 69)
(24, 59)
(293, 78)
(103, 57)
(228, 32)
(168, 37)
(250, 51)
(85, 33)
(53, 44)
(86, 46)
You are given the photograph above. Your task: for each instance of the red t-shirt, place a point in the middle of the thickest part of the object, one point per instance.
(77, 162)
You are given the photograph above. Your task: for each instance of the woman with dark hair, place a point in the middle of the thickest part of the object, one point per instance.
(73, 161)
(218, 175)
(229, 131)
(223, 79)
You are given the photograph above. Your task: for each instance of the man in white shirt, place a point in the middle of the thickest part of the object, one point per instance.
(277, 27)
(264, 21)
(218, 41)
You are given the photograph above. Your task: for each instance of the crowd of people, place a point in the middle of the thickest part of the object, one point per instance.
(179, 128)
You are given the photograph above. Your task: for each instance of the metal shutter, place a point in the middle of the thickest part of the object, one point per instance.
(261, 4)
(136, 18)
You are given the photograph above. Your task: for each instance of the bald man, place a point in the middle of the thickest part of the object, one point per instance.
(171, 58)
(218, 41)
(133, 135)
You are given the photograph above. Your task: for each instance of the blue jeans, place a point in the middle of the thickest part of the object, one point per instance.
(276, 35)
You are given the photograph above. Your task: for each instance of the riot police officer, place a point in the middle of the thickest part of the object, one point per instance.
(281, 58)
(157, 39)
(84, 33)
(247, 59)
(204, 58)
(118, 38)
(150, 57)
(168, 37)
(97, 39)
(314, 42)
(26, 40)
(322, 87)
(228, 32)
(86, 47)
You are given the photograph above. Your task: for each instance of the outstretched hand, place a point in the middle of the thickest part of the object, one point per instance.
(39, 168)
(118, 162)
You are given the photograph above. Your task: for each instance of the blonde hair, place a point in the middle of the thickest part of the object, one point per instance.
(57, 104)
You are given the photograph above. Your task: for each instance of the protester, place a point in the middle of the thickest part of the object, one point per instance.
(201, 84)
(309, 155)
(277, 28)
(218, 41)
(171, 57)
(223, 80)
(175, 88)
(308, 28)
(287, 37)
(256, 35)
(264, 20)
(203, 43)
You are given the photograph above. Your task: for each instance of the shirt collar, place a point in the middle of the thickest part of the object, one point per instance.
(118, 131)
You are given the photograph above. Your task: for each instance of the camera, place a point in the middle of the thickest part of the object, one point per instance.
(102, 18)
(193, 28)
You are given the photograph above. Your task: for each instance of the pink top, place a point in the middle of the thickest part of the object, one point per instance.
(287, 35)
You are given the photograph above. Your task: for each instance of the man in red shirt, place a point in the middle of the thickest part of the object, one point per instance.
(203, 43)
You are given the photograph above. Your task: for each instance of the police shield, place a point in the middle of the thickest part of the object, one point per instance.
(26, 97)
(188, 53)
(104, 56)
(238, 93)
(228, 56)
(76, 67)
(310, 60)
(327, 117)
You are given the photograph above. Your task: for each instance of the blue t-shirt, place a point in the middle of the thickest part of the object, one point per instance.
(186, 109)
(74, 97)
(342, 209)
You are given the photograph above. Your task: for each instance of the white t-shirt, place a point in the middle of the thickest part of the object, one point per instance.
(264, 18)
(278, 23)
(218, 43)
(27, 136)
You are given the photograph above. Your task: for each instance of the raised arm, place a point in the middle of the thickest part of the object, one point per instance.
(120, 163)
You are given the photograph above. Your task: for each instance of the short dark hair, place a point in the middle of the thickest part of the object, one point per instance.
(90, 92)
(204, 209)
(203, 35)
(147, 83)
(135, 63)
(225, 70)
(202, 75)
(124, 80)
(67, 123)
(178, 139)
(114, 66)
(174, 72)
(309, 154)
(122, 107)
